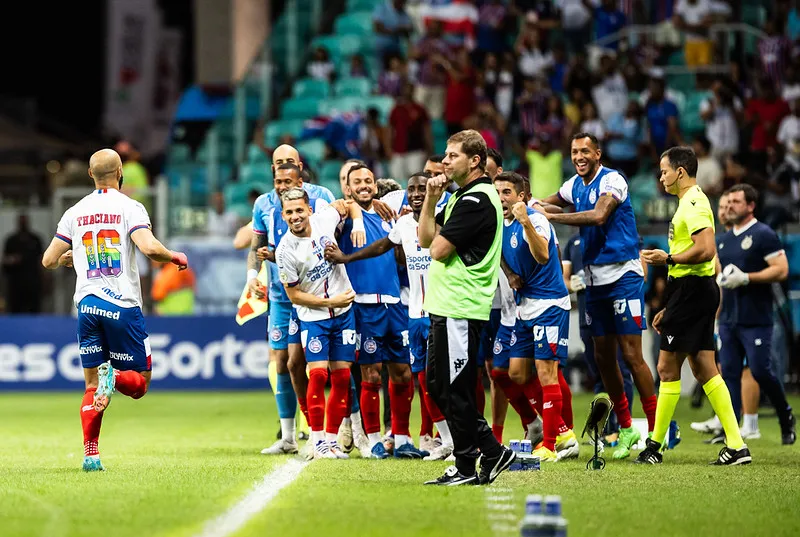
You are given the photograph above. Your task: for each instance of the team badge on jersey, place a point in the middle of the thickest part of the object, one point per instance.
(588, 318)
(498, 347)
(325, 241)
(370, 346)
(276, 334)
(387, 227)
(513, 241)
(513, 340)
(315, 345)
(293, 328)
(592, 196)
(747, 242)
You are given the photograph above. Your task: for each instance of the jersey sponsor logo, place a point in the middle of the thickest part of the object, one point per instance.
(94, 310)
(91, 349)
(747, 242)
(315, 345)
(456, 367)
(721, 245)
(588, 318)
(513, 241)
(120, 356)
(293, 327)
(669, 339)
(757, 342)
(418, 262)
(276, 334)
(370, 346)
(592, 196)
(498, 347)
(538, 332)
(349, 337)
(320, 271)
(404, 333)
(112, 294)
(620, 306)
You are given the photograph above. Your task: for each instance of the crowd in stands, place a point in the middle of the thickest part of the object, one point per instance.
(529, 73)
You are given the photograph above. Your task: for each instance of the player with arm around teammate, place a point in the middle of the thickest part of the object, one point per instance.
(323, 296)
(96, 236)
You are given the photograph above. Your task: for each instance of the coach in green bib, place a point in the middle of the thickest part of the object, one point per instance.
(465, 242)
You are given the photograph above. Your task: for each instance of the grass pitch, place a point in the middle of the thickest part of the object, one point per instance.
(176, 460)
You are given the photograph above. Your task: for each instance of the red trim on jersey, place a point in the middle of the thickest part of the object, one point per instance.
(64, 238)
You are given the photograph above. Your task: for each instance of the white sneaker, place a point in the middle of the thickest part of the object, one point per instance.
(307, 451)
(710, 426)
(535, 432)
(323, 451)
(440, 453)
(281, 447)
(337, 451)
(750, 434)
(361, 441)
(427, 443)
(567, 446)
(345, 437)
(451, 458)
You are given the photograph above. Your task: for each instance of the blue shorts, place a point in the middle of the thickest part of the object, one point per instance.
(501, 349)
(543, 338)
(332, 340)
(294, 328)
(382, 333)
(488, 334)
(616, 308)
(278, 324)
(109, 332)
(418, 342)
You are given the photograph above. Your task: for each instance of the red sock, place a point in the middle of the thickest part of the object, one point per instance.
(649, 406)
(337, 407)
(90, 421)
(514, 394)
(566, 400)
(371, 406)
(621, 409)
(316, 398)
(533, 392)
(426, 424)
(433, 409)
(302, 402)
(400, 403)
(551, 415)
(130, 383)
(497, 431)
(480, 395)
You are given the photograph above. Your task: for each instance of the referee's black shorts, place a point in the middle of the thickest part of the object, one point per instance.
(688, 321)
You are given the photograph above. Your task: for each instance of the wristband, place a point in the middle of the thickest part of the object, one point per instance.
(358, 224)
(252, 274)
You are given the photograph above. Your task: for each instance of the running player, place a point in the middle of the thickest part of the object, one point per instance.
(417, 260)
(97, 237)
(286, 174)
(323, 297)
(614, 277)
(530, 250)
(382, 326)
(686, 323)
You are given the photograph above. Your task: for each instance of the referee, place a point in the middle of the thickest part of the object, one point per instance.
(465, 242)
(686, 324)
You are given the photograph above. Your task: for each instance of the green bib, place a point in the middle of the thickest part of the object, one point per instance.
(461, 292)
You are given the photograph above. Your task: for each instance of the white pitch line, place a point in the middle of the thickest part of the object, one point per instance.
(264, 492)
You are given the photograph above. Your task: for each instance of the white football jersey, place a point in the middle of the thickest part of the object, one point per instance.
(508, 306)
(301, 262)
(418, 260)
(99, 229)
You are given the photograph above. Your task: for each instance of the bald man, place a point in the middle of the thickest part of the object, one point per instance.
(286, 166)
(96, 236)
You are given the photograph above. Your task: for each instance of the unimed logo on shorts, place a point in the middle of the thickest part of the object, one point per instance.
(94, 310)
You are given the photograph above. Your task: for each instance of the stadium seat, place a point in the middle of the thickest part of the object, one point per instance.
(313, 150)
(300, 108)
(352, 87)
(340, 105)
(355, 23)
(383, 103)
(255, 173)
(332, 185)
(311, 87)
(235, 193)
(339, 46)
(180, 153)
(255, 155)
(362, 5)
(685, 83)
(330, 170)
(690, 120)
(438, 128)
(275, 129)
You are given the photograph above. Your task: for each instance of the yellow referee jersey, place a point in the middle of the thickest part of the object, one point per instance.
(694, 213)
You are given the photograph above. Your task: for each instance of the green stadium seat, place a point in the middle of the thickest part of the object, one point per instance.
(339, 46)
(690, 121)
(339, 104)
(235, 193)
(383, 103)
(363, 5)
(676, 58)
(300, 108)
(352, 87)
(685, 83)
(180, 153)
(313, 150)
(255, 155)
(311, 87)
(275, 129)
(330, 170)
(438, 127)
(355, 23)
(255, 173)
(332, 185)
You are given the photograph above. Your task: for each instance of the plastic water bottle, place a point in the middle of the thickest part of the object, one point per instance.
(532, 523)
(556, 524)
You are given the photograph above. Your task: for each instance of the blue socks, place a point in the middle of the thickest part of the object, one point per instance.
(285, 397)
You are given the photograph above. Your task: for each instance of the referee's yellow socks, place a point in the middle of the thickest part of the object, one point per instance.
(720, 399)
(668, 395)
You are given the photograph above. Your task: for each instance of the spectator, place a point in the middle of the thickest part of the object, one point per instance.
(173, 290)
(557, 72)
(411, 136)
(791, 83)
(574, 107)
(694, 17)
(220, 222)
(624, 134)
(610, 93)
(460, 97)
(357, 67)
(662, 119)
(432, 76)
(555, 123)
(592, 123)
(764, 114)
(608, 20)
(773, 53)
(534, 56)
(387, 185)
(504, 95)
(491, 34)
(789, 129)
(782, 190)
(578, 75)
(375, 142)
(542, 12)
(531, 108)
(720, 112)
(136, 179)
(544, 160)
(321, 67)
(22, 256)
(575, 22)
(793, 22)
(709, 171)
(489, 123)
(394, 76)
(391, 24)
